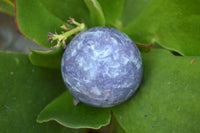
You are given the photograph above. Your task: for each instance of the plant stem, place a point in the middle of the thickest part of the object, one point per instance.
(69, 33)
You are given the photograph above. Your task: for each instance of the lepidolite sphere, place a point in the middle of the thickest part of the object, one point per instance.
(102, 67)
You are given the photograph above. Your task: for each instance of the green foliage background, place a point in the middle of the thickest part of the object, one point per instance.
(31, 86)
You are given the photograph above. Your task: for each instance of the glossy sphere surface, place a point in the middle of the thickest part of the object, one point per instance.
(102, 67)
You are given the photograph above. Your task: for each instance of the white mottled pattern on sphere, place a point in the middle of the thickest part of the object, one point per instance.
(102, 67)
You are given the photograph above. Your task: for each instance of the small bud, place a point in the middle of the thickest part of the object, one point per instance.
(64, 44)
(64, 28)
(71, 20)
(75, 101)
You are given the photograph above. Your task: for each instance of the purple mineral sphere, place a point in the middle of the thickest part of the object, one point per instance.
(102, 67)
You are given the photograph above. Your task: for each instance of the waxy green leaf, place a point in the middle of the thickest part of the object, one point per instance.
(132, 9)
(112, 10)
(172, 24)
(49, 59)
(25, 90)
(168, 98)
(7, 6)
(96, 13)
(35, 21)
(64, 9)
(64, 112)
(35, 18)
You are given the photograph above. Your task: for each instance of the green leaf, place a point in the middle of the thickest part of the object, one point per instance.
(171, 23)
(112, 10)
(133, 9)
(64, 112)
(115, 126)
(49, 59)
(168, 98)
(25, 90)
(96, 12)
(64, 9)
(7, 6)
(35, 18)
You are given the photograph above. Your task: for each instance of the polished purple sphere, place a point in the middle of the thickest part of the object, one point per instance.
(102, 67)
